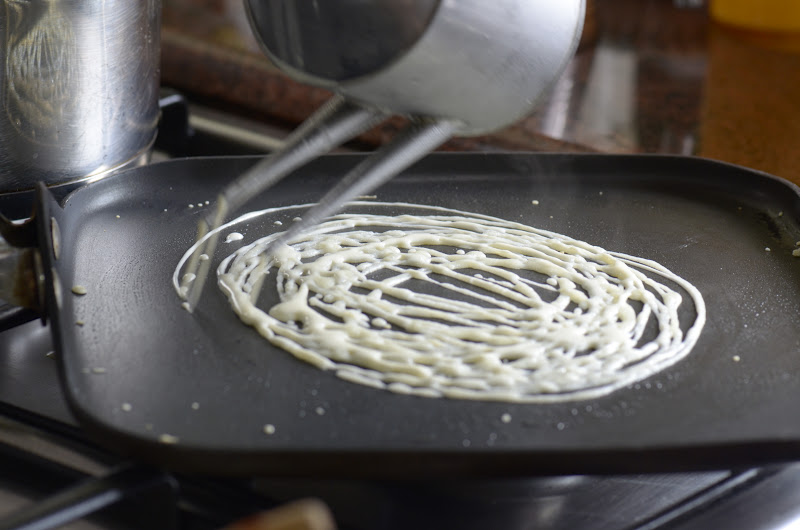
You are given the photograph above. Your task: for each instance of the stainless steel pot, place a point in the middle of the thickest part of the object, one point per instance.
(79, 88)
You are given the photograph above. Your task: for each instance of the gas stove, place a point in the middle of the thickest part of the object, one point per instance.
(53, 475)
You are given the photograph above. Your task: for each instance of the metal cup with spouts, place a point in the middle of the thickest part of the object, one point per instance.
(453, 67)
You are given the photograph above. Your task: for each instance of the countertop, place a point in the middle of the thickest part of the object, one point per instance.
(650, 77)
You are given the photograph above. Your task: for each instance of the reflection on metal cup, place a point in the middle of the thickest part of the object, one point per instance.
(79, 88)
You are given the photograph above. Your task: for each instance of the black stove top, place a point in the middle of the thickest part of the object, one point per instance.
(52, 474)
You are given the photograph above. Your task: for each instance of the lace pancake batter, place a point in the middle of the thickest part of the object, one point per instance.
(440, 302)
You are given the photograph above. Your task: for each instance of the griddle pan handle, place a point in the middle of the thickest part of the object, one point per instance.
(20, 235)
(20, 272)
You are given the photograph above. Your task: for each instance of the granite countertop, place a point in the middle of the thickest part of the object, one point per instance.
(650, 77)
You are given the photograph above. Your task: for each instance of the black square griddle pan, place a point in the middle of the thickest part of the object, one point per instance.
(136, 366)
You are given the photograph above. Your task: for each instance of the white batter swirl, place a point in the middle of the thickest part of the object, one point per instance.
(462, 305)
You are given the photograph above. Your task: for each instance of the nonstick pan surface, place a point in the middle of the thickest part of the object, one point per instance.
(137, 367)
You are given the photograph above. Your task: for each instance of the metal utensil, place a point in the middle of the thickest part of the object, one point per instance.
(455, 68)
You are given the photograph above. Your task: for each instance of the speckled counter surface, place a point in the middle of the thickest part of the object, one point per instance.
(654, 78)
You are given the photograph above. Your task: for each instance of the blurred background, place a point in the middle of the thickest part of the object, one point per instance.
(714, 78)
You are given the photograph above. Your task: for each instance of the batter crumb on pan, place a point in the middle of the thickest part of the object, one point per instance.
(767, 249)
(796, 252)
(269, 428)
(195, 405)
(79, 322)
(98, 370)
(117, 216)
(736, 358)
(168, 439)
(80, 290)
(505, 418)
(127, 407)
(535, 202)
(320, 411)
